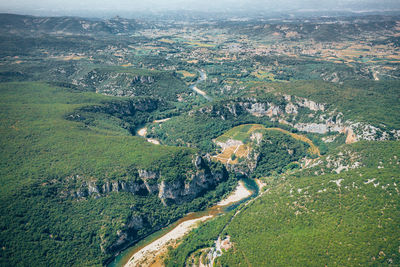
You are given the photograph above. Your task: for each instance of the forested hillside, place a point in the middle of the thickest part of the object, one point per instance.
(280, 133)
(67, 184)
(345, 218)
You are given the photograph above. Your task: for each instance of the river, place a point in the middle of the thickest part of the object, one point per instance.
(123, 258)
(202, 78)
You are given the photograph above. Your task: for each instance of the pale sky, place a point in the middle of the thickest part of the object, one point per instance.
(66, 7)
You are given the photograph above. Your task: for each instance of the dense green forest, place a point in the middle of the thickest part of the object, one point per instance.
(42, 152)
(323, 220)
(200, 126)
(84, 103)
(306, 219)
(276, 151)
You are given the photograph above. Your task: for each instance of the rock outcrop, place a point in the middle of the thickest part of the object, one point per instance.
(302, 114)
(126, 236)
(142, 79)
(202, 179)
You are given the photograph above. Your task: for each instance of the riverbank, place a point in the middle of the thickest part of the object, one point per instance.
(260, 184)
(146, 255)
(201, 92)
(142, 132)
(126, 257)
(151, 254)
(202, 78)
(241, 192)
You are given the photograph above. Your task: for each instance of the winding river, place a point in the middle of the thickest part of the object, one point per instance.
(157, 238)
(203, 76)
(125, 256)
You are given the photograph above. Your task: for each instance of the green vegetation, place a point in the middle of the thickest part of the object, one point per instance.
(35, 112)
(349, 218)
(127, 81)
(288, 68)
(240, 133)
(124, 116)
(199, 127)
(61, 134)
(202, 237)
(310, 227)
(245, 131)
(276, 151)
(373, 102)
(45, 157)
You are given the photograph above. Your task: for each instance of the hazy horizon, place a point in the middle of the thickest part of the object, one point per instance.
(121, 7)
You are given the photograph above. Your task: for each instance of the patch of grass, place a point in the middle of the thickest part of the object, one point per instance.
(239, 133)
(186, 74)
(264, 75)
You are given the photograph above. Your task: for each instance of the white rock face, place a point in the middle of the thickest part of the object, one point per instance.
(303, 102)
(312, 127)
(258, 109)
(257, 137)
(291, 109)
(92, 188)
(396, 133)
(317, 119)
(273, 111)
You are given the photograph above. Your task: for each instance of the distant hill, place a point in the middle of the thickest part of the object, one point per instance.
(21, 24)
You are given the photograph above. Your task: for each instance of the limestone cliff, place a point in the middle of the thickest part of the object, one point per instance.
(302, 114)
(203, 178)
